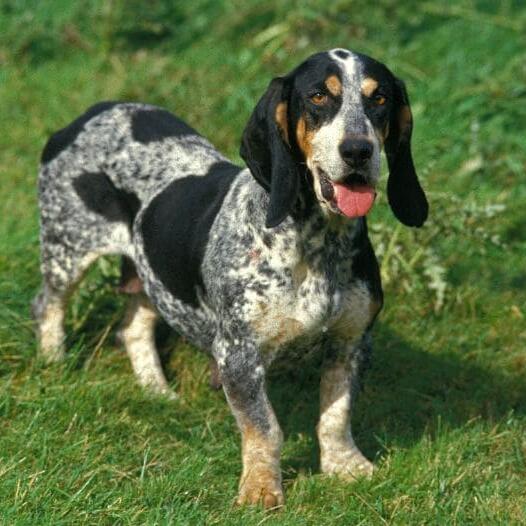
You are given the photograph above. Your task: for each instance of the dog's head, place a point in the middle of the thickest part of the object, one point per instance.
(332, 115)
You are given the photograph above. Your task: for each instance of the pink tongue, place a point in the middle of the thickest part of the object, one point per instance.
(354, 201)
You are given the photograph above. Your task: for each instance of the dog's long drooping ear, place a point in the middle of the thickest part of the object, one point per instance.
(406, 197)
(265, 149)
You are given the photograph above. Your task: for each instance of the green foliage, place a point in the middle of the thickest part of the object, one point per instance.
(443, 410)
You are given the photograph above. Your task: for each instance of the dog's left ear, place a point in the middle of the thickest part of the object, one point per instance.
(406, 197)
(266, 150)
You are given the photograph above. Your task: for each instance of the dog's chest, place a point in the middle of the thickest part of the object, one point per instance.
(306, 300)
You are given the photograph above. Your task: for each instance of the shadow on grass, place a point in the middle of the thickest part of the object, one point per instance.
(408, 392)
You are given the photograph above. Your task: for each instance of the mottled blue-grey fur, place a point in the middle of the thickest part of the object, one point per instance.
(310, 284)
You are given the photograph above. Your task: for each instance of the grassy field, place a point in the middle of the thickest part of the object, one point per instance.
(443, 413)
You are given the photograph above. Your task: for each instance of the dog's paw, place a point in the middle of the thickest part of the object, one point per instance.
(261, 487)
(159, 388)
(51, 352)
(168, 394)
(349, 464)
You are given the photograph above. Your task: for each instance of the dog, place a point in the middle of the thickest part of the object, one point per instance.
(247, 263)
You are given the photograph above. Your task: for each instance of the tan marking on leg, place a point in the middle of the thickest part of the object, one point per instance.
(334, 85)
(338, 452)
(369, 85)
(49, 308)
(304, 138)
(137, 334)
(281, 120)
(261, 477)
(286, 329)
(260, 447)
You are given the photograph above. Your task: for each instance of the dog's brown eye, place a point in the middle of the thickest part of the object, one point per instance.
(379, 99)
(318, 98)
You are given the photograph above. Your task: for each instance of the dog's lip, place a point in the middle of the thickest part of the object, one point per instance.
(326, 187)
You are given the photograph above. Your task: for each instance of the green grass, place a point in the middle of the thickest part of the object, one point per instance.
(443, 410)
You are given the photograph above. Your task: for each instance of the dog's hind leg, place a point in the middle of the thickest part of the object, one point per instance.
(61, 270)
(138, 336)
(82, 216)
(48, 309)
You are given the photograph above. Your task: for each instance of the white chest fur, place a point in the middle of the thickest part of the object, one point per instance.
(310, 303)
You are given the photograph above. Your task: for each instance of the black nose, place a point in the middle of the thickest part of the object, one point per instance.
(356, 152)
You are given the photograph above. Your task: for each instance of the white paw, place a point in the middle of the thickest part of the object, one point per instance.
(348, 463)
(157, 387)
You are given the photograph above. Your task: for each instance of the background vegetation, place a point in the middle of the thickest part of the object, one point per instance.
(443, 411)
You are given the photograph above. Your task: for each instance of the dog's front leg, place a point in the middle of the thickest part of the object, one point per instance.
(243, 378)
(338, 389)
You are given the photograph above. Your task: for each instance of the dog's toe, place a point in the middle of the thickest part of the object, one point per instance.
(349, 464)
(269, 499)
(265, 490)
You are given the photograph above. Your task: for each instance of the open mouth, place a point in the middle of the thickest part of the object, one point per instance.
(351, 200)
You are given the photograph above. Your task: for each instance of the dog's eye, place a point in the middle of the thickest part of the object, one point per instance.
(318, 98)
(379, 100)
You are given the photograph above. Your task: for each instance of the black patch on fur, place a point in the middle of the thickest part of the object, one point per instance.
(365, 265)
(101, 196)
(176, 224)
(341, 53)
(155, 125)
(61, 139)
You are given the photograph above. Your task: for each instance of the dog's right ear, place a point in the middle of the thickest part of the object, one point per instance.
(266, 150)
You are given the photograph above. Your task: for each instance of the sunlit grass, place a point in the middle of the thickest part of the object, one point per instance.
(443, 410)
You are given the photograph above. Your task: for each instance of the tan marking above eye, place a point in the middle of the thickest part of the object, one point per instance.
(369, 86)
(334, 85)
(281, 120)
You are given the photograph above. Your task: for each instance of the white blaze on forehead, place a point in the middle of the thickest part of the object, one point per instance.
(351, 74)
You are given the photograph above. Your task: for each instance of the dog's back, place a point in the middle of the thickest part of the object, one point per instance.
(96, 175)
(139, 147)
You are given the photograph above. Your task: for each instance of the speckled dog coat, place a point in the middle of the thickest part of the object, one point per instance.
(247, 263)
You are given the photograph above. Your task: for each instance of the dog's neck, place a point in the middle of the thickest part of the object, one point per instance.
(309, 230)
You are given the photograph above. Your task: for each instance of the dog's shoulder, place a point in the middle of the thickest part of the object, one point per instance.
(175, 228)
